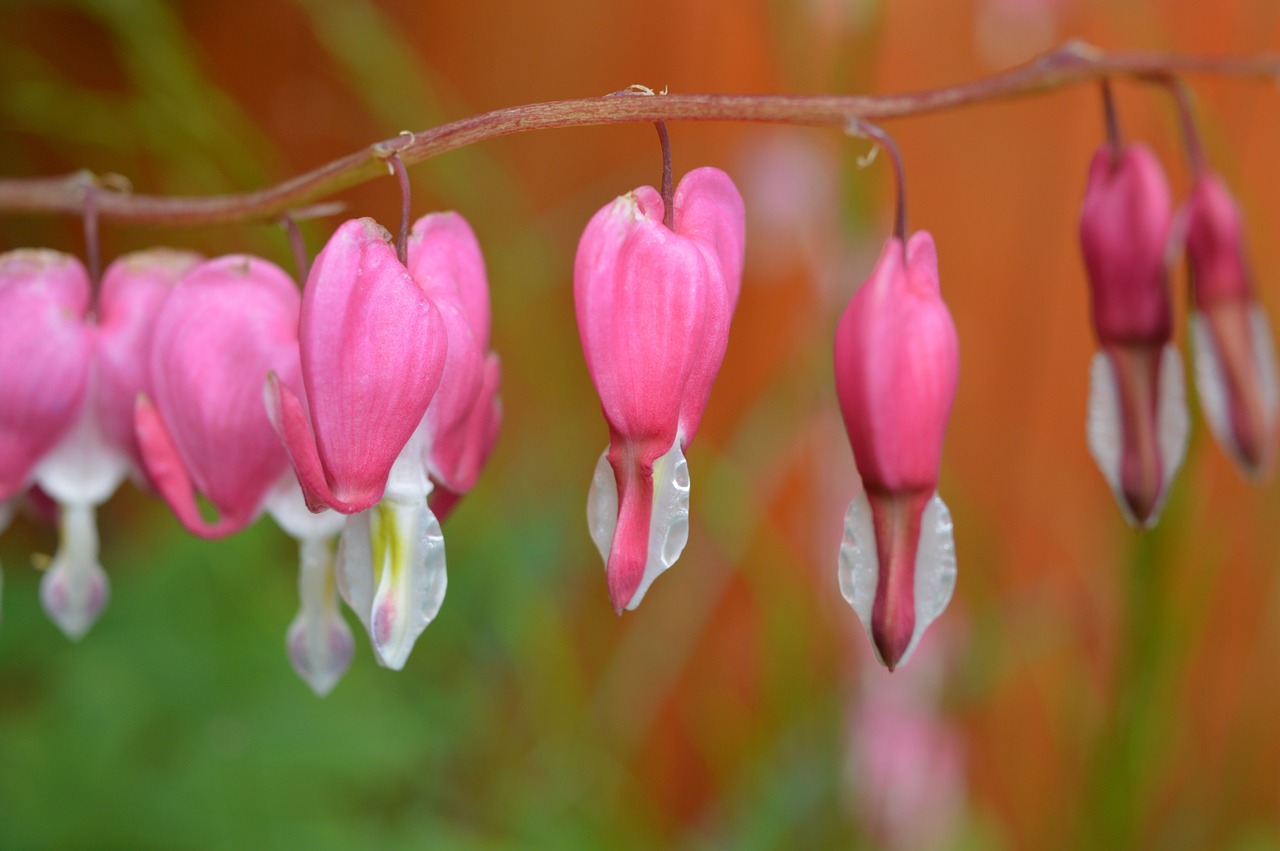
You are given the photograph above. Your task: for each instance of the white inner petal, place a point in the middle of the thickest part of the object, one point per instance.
(409, 569)
(289, 509)
(1173, 424)
(935, 569)
(83, 467)
(1264, 355)
(1210, 382)
(602, 506)
(668, 522)
(319, 642)
(74, 589)
(355, 566)
(1103, 428)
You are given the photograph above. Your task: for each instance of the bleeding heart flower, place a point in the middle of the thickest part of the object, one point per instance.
(1137, 426)
(227, 324)
(46, 352)
(896, 368)
(653, 309)
(1235, 358)
(99, 450)
(393, 362)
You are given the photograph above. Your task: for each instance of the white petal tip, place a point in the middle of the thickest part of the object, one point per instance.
(409, 563)
(320, 653)
(935, 573)
(668, 522)
(74, 596)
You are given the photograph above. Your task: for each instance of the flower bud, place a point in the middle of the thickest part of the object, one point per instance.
(1137, 423)
(896, 368)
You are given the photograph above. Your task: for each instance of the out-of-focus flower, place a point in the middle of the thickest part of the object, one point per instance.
(394, 364)
(99, 450)
(896, 368)
(68, 402)
(1235, 359)
(1137, 426)
(227, 324)
(906, 762)
(46, 350)
(653, 309)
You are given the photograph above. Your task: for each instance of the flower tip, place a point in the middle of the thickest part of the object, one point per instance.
(320, 653)
(892, 638)
(74, 596)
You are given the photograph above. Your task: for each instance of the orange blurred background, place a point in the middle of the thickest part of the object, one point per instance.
(1102, 688)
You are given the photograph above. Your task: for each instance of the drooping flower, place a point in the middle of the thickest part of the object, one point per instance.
(227, 324)
(896, 368)
(1235, 359)
(99, 450)
(653, 309)
(1137, 426)
(394, 364)
(45, 355)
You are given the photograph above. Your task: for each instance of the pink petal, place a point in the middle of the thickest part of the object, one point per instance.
(444, 255)
(45, 352)
(133, 289)
(1124, 234)
(709, 211)
(373, 351)
(169, 475)
(641, 297)
(896, 369)
(227, 324)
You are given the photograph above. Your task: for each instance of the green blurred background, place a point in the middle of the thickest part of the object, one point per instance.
(1088, 688)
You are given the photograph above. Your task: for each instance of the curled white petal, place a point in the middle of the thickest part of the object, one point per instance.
(668, 522)
(935, 574)
(392, 569)
(74, 589)
(319, 641)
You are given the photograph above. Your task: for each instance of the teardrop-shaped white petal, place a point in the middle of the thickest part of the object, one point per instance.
(1211, 382)
(1264, 357)
(602, 506)
(319, 641)
(935, 574)
(74, 589)
(409, 569)
(83, 467)
(355, 566)
(1103, 428)
(668, 522)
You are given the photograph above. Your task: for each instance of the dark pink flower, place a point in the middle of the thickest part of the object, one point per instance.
(1235, 359)
(653, 309)
(896, 368)
(1137, 425)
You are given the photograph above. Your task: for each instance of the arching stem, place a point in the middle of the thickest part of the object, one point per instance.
(878, 135)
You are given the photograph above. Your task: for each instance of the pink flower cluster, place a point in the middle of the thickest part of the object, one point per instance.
(365, 407)
(373, 394)
(1138, 424)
